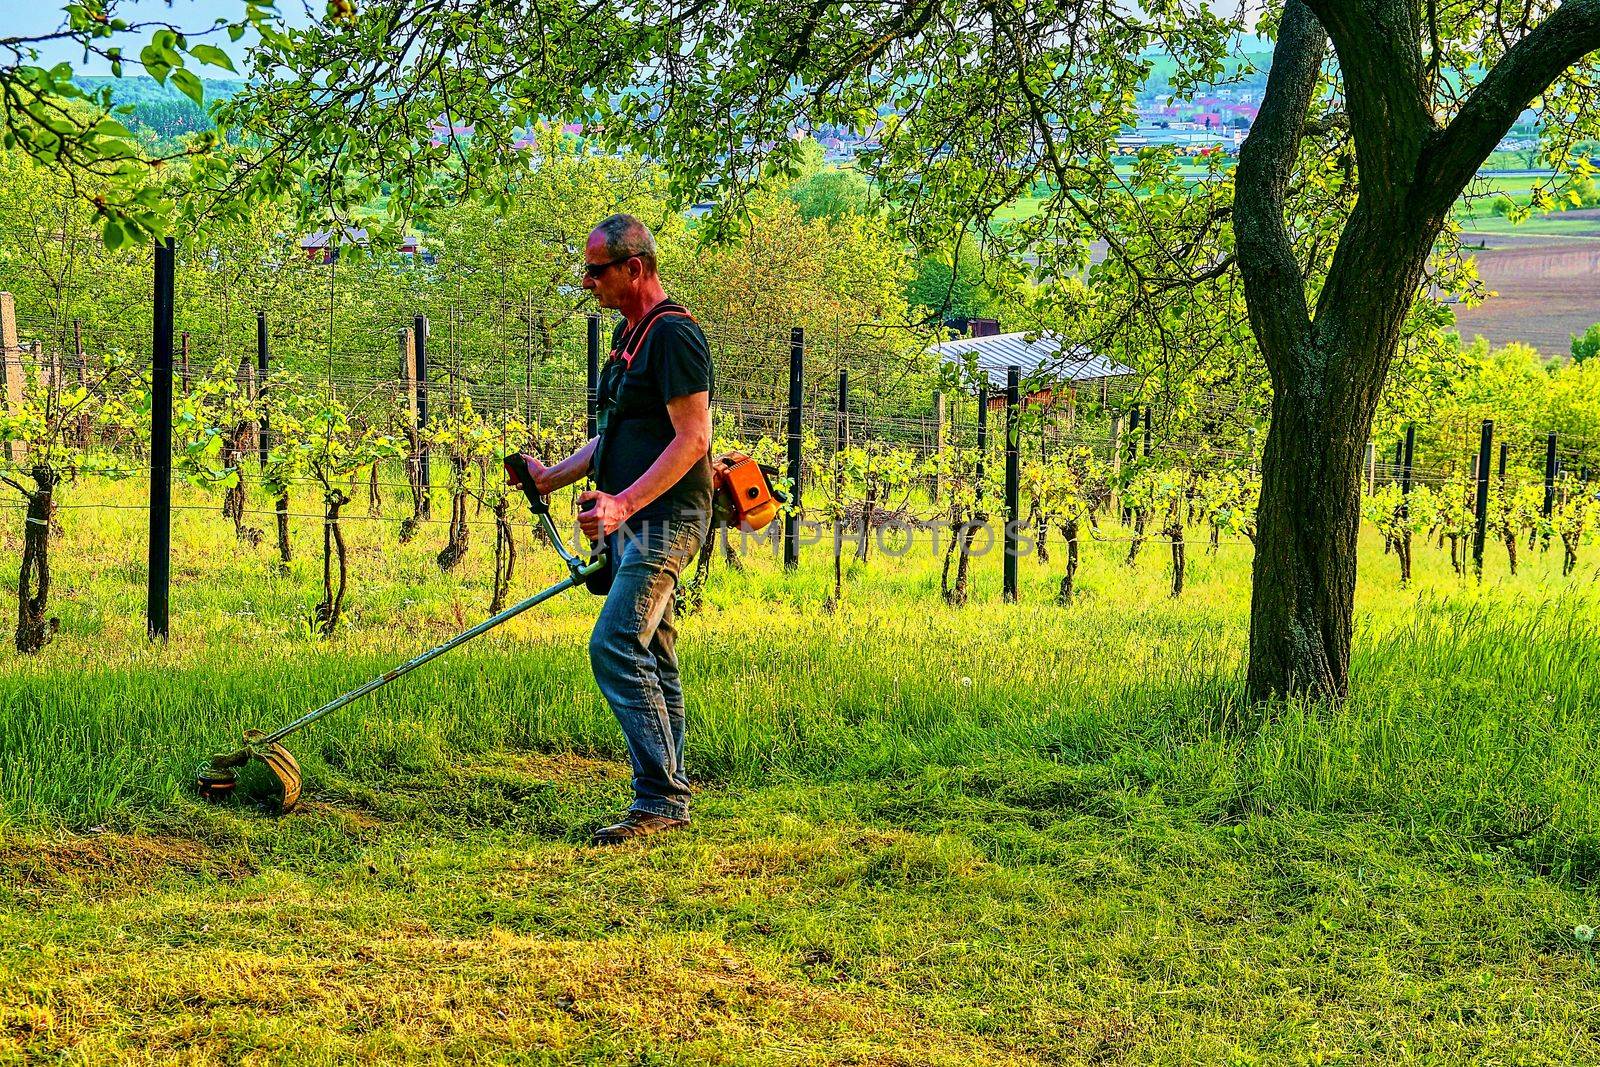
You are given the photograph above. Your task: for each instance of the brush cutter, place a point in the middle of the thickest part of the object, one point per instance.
(218, 777)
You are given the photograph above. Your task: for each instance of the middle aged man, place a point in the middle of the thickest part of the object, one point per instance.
(652, 503)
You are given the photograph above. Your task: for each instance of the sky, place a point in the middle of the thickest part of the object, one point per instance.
(31, 17)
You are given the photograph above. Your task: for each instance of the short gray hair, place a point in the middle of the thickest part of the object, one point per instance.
(627, 236)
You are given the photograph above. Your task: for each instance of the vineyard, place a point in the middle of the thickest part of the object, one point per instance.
(1179, 642)
(414, 453)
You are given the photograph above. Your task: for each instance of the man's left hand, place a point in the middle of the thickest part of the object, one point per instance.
(603, 516)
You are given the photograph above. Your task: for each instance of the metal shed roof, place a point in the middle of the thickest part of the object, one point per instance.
(1043, 358)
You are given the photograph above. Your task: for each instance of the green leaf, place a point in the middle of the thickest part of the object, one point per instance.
(113, 234)
(155, 62)
(216, 57)
(189, 85)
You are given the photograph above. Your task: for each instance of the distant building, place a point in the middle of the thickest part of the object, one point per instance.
(323, 247)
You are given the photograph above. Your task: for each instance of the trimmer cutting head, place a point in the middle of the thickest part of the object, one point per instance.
(219, 778)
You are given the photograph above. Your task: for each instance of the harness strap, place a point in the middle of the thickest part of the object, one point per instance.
(633, 339)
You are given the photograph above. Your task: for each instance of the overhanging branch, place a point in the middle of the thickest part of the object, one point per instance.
(1527, 69)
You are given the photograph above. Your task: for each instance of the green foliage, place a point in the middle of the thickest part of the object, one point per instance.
(832, 194)
(954, 284)
(1587, 345)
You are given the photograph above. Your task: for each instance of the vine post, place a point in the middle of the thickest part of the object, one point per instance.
(1481, 497)
(419, 340)
(1549, 474)
(156, 597)
(1013, 433)
(11, 375)
(791, 521)
(263, 428)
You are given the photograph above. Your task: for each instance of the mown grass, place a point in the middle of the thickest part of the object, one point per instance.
(1006, 833)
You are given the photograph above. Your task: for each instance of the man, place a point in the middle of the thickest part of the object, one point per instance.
(652, 504)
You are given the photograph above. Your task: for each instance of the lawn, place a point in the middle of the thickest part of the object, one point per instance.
(998, 834)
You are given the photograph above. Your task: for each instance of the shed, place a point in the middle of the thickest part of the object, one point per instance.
(1042, 359)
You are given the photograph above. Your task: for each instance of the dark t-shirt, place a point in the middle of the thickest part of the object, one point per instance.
(673, 361)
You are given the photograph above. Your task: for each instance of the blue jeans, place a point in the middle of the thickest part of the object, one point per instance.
(636, 665)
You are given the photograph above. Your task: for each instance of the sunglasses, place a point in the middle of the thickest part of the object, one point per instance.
(594, 270)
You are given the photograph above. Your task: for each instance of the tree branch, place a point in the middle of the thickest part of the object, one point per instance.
(1277, 297)
(1527, 69)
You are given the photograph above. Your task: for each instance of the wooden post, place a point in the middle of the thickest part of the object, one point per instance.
(1013, 433)
(939, 443)
(183, 362)
(983, 435)
(791, 522)
(1485, 456)
(1116, 462)
(85, 426)
(11, 376)
(408, 376)
(1372, 466)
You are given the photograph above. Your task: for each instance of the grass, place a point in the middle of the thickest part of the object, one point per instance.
(1002, 834)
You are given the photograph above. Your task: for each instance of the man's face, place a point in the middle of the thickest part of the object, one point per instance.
(615, 281)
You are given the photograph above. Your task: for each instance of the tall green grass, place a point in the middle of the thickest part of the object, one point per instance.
(1470, 723)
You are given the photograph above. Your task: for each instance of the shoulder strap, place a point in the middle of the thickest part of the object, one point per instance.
(634, 338)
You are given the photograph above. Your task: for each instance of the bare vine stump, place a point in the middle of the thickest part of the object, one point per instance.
(331, 609)
(1069, 532)
(1174, 532)
(281, 506)
(456, 545)
(505, 557)
(34, 628)
(1138, 537)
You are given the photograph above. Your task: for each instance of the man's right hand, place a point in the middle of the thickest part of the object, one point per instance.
(540, 473)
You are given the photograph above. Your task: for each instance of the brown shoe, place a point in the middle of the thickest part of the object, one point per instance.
(635, 824)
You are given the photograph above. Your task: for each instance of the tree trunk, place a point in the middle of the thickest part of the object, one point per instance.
(1403, 548)
(34, 628)
(1510, 537)
(1041, 550)
(1304, 575)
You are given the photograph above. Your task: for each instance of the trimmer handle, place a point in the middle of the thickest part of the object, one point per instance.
(520, 476)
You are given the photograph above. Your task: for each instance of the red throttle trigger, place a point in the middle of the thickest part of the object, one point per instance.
(520, 476)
